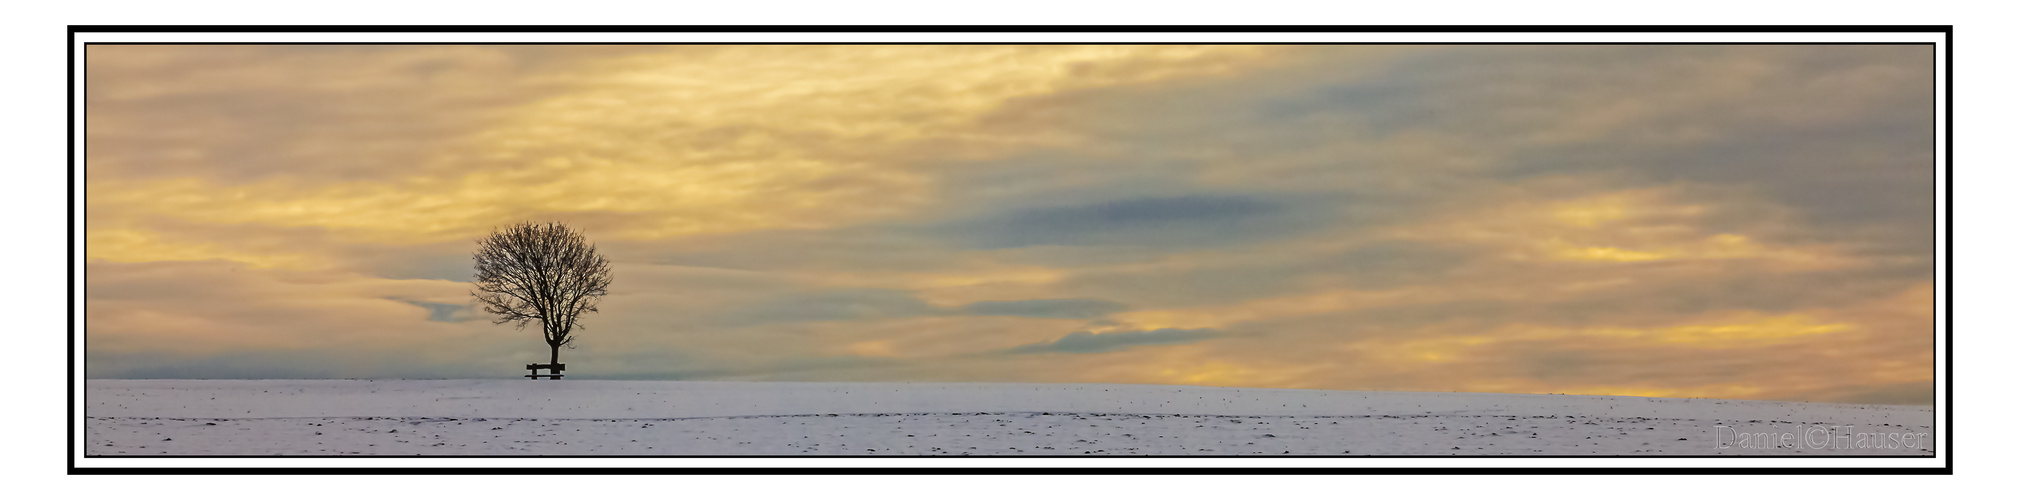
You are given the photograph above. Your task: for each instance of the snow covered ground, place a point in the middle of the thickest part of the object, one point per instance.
(638, 418)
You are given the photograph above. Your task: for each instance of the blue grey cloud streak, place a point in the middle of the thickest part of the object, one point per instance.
(1185, 220)
(870, 304)
(446, 313)
(1089, 343)
(1045, 308)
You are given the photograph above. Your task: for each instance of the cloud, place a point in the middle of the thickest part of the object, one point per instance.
(1290, 267)
(832, 305)
(1391, 264)
(784, 369)
(297, 364)
(194, 307)
(1045, 308)
(1087, 342)
(430, 144)
(446, 313)
(1181, 220)
(873, 304)
(1911, 393)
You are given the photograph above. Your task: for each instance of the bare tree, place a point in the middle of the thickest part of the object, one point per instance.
(541, 272)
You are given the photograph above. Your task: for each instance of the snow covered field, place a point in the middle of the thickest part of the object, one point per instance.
(590, 417)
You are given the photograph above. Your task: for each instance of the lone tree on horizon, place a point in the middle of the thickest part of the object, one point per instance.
(541, 272)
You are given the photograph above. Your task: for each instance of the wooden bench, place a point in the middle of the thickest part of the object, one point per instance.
(553, 370)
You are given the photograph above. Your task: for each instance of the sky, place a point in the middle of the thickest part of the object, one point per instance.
(1721, 221)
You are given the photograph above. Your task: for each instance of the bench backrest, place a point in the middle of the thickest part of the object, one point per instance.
(556, 367)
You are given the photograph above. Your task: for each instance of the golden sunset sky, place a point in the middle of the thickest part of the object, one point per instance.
(1724, 221)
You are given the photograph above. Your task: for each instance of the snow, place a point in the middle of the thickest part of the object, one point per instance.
(651, 418)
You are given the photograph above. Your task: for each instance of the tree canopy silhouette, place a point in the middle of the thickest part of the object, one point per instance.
(539, 272)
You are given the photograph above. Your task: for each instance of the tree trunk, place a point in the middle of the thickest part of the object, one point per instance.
(553, 356)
